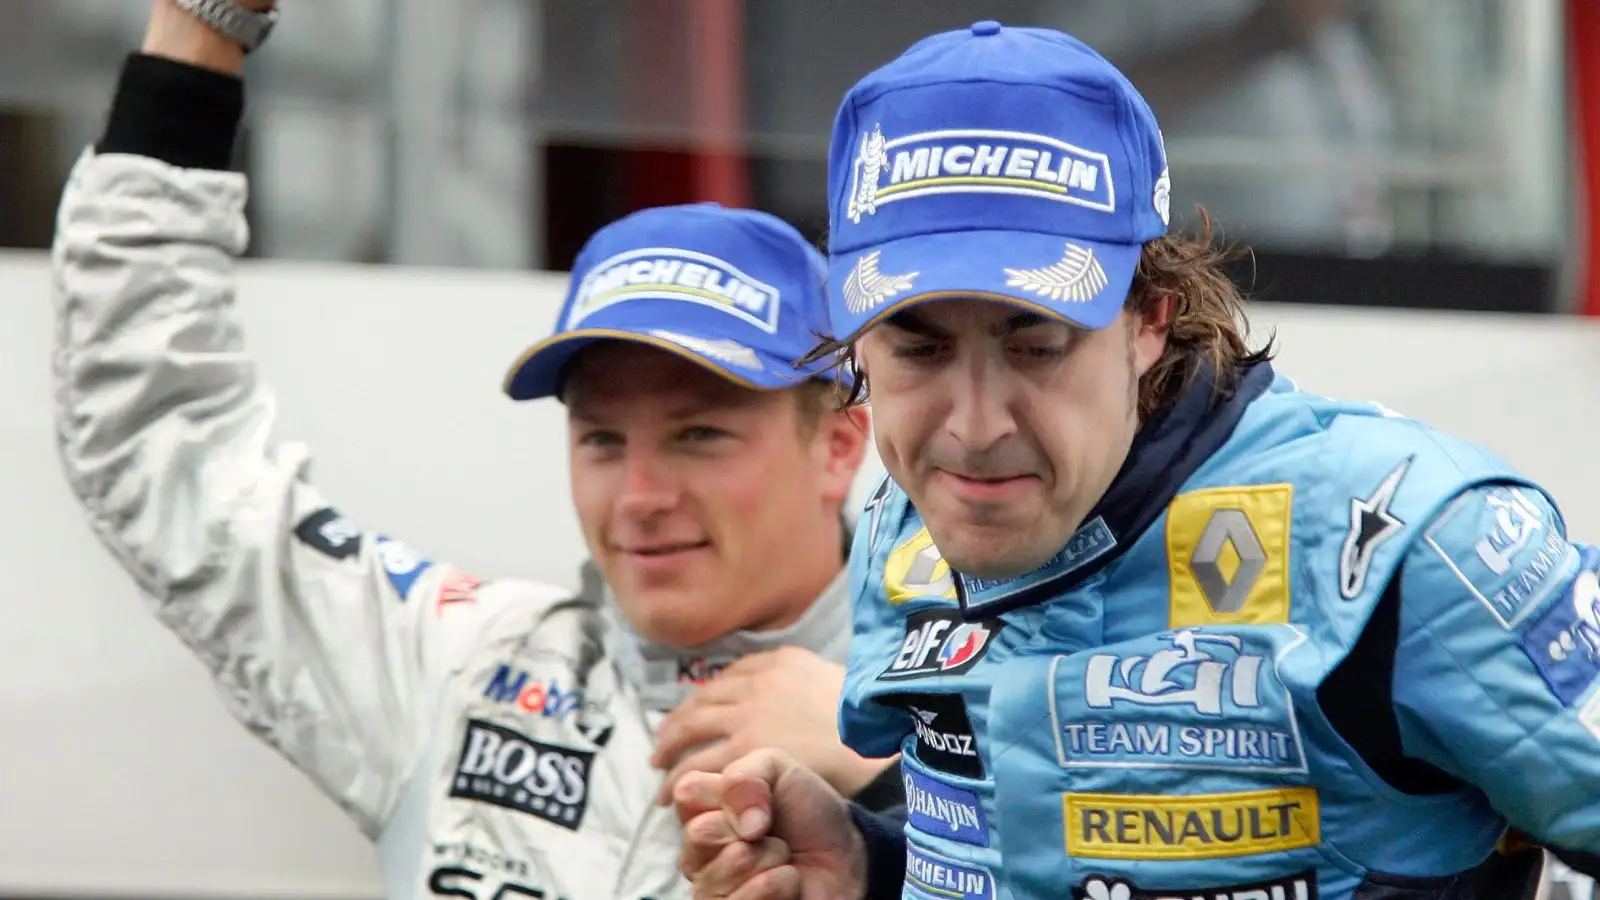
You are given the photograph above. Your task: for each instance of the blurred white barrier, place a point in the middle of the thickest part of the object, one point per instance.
(119, 772)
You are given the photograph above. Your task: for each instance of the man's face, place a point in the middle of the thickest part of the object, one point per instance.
(1003, 426)
(708, 507)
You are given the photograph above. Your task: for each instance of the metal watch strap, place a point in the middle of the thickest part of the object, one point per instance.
(248, 28)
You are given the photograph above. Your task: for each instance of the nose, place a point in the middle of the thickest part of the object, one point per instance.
(647, 485)
(980, 411)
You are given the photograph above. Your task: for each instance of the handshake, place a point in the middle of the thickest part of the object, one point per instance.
(768, 828)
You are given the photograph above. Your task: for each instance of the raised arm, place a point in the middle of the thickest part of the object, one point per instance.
(326, 642)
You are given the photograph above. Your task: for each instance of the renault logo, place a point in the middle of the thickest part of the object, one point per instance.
(1227, 560)
(1228, 555)
(915, 569)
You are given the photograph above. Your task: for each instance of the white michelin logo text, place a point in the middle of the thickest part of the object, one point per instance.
(1078, 277)
(866, 288)
(670, 273)
(975, 161)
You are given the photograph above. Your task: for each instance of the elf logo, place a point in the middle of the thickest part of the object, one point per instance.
(939, 642)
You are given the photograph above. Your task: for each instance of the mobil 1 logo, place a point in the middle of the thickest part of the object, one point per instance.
(940, 642)
(511, 770)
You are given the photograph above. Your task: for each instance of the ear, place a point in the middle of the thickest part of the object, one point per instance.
(840, 446)
(1151, 323)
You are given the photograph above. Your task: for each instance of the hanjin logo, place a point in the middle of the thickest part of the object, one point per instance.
(943, 809)
(511, 770)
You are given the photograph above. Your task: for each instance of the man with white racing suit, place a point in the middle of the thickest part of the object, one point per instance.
(496, 739)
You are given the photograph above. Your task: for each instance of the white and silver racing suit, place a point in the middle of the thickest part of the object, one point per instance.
(492, 738)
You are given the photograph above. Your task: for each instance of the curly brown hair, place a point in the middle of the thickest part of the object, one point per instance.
(1206, 322)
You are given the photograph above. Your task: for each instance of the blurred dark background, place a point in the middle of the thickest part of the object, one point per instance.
(1398, 152)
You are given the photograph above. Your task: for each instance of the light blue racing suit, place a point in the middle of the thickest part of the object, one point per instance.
(1302, 649)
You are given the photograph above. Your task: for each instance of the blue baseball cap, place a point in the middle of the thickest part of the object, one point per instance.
(1012, 164)
(738, 291)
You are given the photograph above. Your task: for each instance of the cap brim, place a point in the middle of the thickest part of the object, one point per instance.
(539, 371)
(1084, 283)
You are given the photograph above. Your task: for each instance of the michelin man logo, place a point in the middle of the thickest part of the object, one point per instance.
(1163, 197)
(975, 161)
(868, 169)
(1076, 278)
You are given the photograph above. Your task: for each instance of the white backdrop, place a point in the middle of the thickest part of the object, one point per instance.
(119, 772)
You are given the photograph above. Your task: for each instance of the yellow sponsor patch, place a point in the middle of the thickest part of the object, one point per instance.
(1228, 556)
(1197, 826)
(915, 569)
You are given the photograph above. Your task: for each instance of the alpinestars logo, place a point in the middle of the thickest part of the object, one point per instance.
(1371, 524)
(511, 770)
(939, 642)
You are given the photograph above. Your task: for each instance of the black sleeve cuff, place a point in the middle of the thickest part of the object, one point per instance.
(884, 835)
(183, 115)
(886, 791)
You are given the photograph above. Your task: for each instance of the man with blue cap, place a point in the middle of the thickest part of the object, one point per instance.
(1216, 637)
(499, 738)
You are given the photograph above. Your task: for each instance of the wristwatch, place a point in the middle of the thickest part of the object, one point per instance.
(245, 27)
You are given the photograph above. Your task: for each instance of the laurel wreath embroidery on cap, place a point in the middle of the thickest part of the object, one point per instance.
(731, 352)
(1078, 277)
(867, 288)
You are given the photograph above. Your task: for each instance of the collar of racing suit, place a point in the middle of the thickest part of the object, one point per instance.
(665, 674)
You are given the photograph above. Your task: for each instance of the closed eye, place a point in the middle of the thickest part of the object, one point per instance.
(917, 350)
(702, 433)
